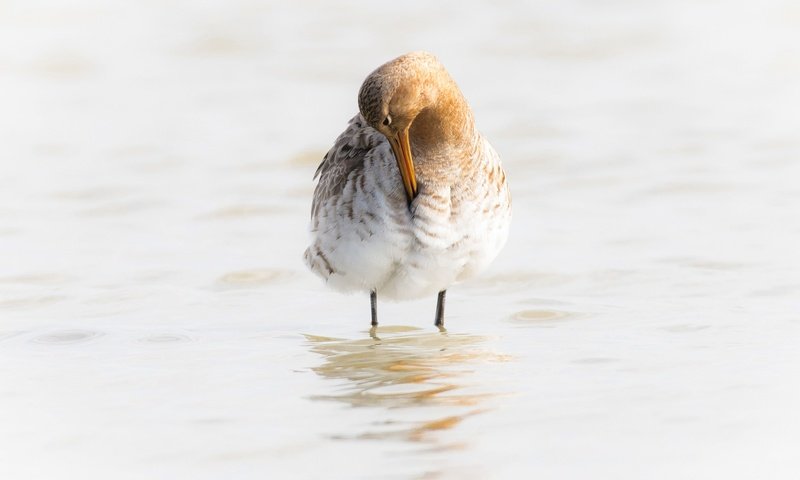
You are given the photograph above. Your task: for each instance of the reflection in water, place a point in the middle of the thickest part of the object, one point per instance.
(407, 371)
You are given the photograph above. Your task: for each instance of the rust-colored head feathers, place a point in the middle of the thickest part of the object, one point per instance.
(414, 88)
(399, 88)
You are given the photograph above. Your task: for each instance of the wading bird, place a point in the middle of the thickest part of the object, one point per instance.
(411, 198)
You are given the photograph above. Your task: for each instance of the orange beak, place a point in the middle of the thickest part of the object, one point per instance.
(402, 153)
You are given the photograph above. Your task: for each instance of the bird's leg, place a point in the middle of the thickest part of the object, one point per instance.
(439, 322)
(373, 302)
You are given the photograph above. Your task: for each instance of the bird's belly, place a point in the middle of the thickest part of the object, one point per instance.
(405, 256)
(442, 253)
(424, 272)
(432, 265)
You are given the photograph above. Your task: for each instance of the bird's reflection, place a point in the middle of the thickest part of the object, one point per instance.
(404, 370)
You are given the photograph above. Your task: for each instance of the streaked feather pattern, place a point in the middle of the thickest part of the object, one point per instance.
(365, 235)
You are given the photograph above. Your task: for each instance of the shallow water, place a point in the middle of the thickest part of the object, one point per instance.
(156, 320)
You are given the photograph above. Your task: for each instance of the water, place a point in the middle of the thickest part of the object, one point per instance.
(156, 320)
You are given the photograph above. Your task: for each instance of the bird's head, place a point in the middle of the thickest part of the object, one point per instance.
(394, 95)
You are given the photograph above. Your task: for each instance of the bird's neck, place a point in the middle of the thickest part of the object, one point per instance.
(446, 123)
(443, 136)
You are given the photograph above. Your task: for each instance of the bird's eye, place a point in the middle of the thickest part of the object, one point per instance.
(388, 120)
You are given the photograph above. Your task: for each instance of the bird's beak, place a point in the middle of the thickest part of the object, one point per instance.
(402, 153)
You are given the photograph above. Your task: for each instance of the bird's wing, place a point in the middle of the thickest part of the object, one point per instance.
(346, 155)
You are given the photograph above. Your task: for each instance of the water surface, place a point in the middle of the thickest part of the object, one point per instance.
(156, 320)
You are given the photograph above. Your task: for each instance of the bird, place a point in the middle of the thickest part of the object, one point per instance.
(411, 198)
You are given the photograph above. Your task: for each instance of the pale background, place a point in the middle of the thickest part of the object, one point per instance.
(156, 320)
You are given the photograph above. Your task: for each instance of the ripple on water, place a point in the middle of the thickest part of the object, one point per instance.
(518, 280)
(66, 337)
(685, 328)
(595, 360)
(704, 264)
(220, 43)
(30, 302)
(243, 211)
(6, 335)
(63, 64)
(165, 338)
(690, 188)
(93, 194)
(541, 318)
(253, 278)
(36, 279)
(109, 209)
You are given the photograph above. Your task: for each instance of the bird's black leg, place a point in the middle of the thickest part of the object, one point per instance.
(373, 302)
(439, 322)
